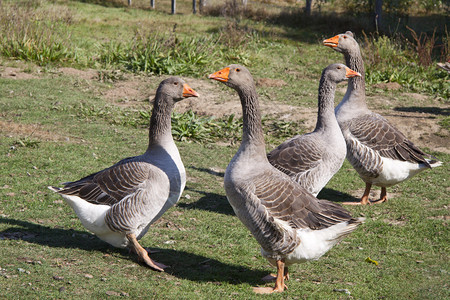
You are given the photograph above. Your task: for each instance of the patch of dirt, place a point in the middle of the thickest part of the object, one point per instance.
(129, 93)
(15, 73)
(388, 86)
(34, 131)
(395, 222)
(83, 74)
(442, 218)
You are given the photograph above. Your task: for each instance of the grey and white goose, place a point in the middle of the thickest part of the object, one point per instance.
(312, 159)
(378, 151)
(118, 204)
(289, 223)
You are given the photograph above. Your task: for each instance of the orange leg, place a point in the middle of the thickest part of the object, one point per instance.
(383, 196)
(272, 277)
(279, 283)
(364, 198)
(143, 254)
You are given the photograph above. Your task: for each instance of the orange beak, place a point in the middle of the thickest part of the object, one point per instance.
(221, 75)
(332, 42)
(188, 91)
(350, 73)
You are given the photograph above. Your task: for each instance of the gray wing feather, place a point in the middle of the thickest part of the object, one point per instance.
(110, 185)
(376, 133)
(297, 156)
(287, 201)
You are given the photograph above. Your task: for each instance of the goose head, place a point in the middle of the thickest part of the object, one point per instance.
(175, 88)
(339, 72)
(234, 76)
(343, 43)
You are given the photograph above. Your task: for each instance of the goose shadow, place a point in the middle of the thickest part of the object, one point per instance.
(209, 171)
(210, 202)
(336, 196)
(48, 236)
(181, 264)
(198, 268)
(443, 111)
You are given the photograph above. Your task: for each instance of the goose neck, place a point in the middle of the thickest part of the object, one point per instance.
(354, 61)
(160, 130)
(252, 128)
(325, 116)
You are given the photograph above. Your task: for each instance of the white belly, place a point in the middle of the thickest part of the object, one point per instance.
(92, 216)
(395, 171)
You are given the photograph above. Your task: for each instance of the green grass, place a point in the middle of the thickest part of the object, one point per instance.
(213, 255)
(57, 128)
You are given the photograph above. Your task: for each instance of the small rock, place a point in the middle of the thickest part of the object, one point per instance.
(58, 277)
(342, 291)
(187, 196)
(62, 289)
(170, 242)
(112, 293)
(123, 294)
(88, 276)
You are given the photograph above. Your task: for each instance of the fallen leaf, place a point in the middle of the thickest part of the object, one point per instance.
(369, 260)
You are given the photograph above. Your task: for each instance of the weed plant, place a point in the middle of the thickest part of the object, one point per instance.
(158, 54)
(34, 34)
(390, 59)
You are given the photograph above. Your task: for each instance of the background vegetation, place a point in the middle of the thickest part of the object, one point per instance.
(55, 127)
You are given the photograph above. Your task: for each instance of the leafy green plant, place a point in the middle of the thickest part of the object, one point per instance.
(187, 126)
(26, 143)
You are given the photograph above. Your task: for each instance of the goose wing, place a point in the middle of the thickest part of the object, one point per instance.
(286, 200)
(111, 185)
(297, 155)
(376, 133)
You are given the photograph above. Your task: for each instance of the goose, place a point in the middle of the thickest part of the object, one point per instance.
(119, 203)
(289, 223)
(312, 159)
(378, 151)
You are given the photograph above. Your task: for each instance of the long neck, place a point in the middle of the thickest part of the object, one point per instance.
(356, 86)
(252, 130)
(325, 116)
(160, 130)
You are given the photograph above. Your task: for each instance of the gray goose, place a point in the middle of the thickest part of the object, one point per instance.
(289, 223)
(378, 151)
(312, 159)
(118, 204)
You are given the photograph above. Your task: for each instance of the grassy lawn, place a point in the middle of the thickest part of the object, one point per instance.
(57, 127)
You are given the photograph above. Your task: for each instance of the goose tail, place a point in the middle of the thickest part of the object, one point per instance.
(351, 225)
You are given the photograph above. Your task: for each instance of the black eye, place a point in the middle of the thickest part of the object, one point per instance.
(338, 68)
(238, 70)
(345, 36)
(175, 83)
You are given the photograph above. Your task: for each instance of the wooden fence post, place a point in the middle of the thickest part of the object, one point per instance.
(174, 4)
(194, 6)
(152, 4)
